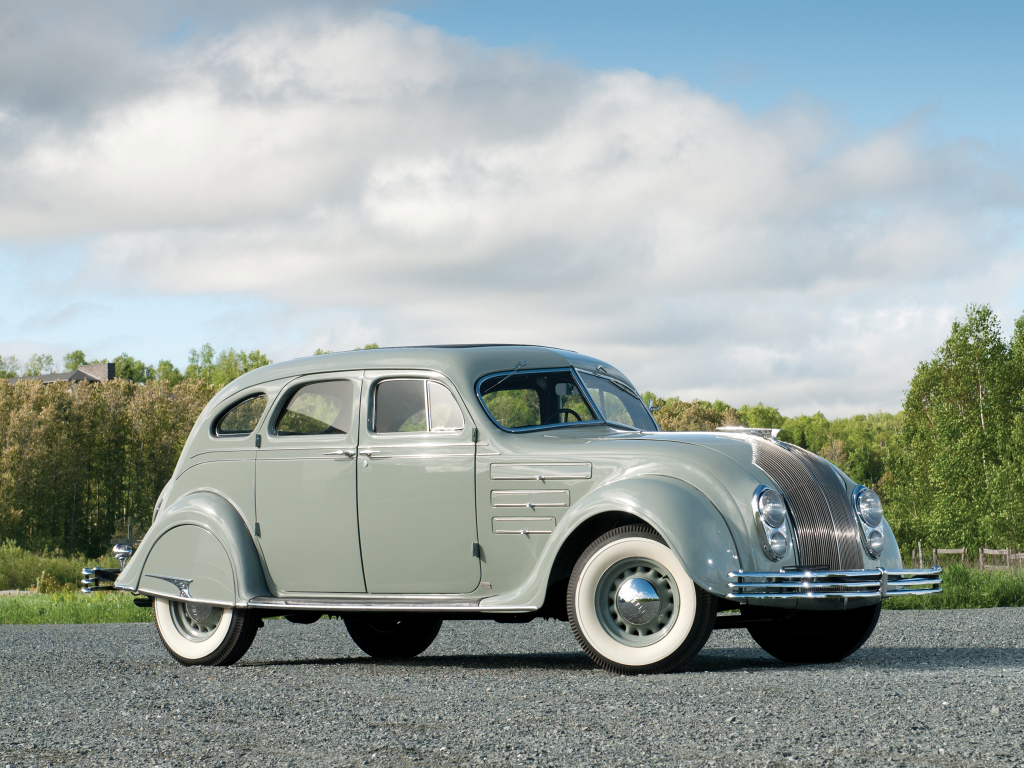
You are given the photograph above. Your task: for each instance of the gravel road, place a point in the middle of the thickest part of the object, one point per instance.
(935, 688)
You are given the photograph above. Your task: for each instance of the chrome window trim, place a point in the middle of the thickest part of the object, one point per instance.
(625, 388)
(288, 392)
(251, 395)
(538, 427)
(426, 406)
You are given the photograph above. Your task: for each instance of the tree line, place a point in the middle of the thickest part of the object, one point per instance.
(77, 461)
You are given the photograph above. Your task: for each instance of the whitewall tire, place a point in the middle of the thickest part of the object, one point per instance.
(632, 606)
(200, 634)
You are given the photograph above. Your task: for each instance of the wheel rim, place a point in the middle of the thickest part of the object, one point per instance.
(195, 621)
(636, 601)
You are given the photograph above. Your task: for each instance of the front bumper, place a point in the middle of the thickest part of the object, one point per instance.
(874, 582)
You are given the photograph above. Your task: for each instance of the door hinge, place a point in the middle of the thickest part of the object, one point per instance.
(257, 530)
(475, 434)
(257, 441)
(476, 549)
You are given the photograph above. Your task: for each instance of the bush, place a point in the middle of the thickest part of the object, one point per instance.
(48, 572)
(970, 588)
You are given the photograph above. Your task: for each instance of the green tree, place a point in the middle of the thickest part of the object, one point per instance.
(220, 369)
(10, 367)
(165, 371)
(373, 345)
(761, 415)
(127, 367)
(72, 360)
(955, 449)
(38, 364)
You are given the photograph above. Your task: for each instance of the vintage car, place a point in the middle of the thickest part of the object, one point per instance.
(397, 488)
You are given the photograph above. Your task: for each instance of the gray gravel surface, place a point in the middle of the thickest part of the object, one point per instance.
(935, 688)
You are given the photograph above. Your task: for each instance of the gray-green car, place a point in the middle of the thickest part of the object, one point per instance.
(397, 488)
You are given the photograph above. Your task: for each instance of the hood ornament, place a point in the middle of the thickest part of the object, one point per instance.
(767, 434)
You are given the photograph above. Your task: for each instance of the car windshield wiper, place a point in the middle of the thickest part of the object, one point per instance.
(504, 378)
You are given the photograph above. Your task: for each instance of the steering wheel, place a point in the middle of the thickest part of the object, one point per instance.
(566, 411)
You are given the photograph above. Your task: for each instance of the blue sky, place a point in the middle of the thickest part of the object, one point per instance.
(785, 202)
(957, 67)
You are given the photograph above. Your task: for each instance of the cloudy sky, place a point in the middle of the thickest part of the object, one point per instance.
(780, 202)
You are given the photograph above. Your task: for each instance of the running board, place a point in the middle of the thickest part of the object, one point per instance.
(404, 604)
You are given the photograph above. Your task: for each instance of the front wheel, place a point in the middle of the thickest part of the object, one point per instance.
(813, 637)
(633, 608)
(204, 635)
(393, 635)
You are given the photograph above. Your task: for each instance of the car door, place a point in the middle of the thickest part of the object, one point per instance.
(417, 509)
(306, 487)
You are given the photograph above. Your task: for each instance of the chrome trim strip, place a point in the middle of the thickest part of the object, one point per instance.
(417, 455)
(563, 471)
(165, 596)
(870, 582)
(397, 603)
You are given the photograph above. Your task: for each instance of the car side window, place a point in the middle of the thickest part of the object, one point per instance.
(445, 415)
(243, 418)
(407, 405)
(320, 408)
(400, 406)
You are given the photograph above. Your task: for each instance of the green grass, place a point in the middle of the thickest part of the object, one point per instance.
(72, 608)
(969, 588)
(21, 569)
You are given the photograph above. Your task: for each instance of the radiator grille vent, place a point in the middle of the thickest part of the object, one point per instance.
(826, 530)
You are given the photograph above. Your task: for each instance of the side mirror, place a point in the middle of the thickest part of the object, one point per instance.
(650, 405)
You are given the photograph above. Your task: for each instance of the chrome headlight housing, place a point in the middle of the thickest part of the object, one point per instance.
(772, 521)
(868, 507)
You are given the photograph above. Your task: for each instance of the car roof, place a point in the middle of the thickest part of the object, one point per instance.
(464, 364)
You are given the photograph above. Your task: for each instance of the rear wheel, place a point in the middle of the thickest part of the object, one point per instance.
(813, 637)
(205, 635)
(633, 608)
(393, 635)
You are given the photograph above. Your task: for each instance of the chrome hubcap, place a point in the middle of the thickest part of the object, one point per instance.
(195, 621)
(637, 601)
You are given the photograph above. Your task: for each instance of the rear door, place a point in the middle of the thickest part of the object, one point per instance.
(306, 487)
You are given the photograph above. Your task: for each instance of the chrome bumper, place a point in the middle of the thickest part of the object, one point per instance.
(876, 582)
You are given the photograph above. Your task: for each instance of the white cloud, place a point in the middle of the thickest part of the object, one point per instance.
(372, 174)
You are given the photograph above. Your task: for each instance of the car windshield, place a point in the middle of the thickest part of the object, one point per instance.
(618, 403)
(534, 399)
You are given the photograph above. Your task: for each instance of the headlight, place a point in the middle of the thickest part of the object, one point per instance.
(772, 508)
(876, 543)
(779, 545)
(869, 508)
(869, 515)
(771, 512)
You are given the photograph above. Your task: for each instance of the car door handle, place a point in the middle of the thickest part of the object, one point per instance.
(367, 452)
(347, 452)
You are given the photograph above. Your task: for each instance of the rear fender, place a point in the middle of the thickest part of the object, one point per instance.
(690, 524)
(202, 542)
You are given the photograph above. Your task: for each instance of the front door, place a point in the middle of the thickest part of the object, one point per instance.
(417, 509)
(306, 487)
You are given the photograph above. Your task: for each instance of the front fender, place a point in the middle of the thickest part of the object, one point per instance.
(690, 524)
(201, 539)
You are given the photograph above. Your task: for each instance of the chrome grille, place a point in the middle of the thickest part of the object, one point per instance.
(826, 530)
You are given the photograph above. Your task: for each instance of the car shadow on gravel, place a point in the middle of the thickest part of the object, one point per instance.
(709, 660)
(564, 661)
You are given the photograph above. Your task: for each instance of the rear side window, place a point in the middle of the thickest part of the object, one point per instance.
(243, 418)
(416, 405)
(321, 408)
